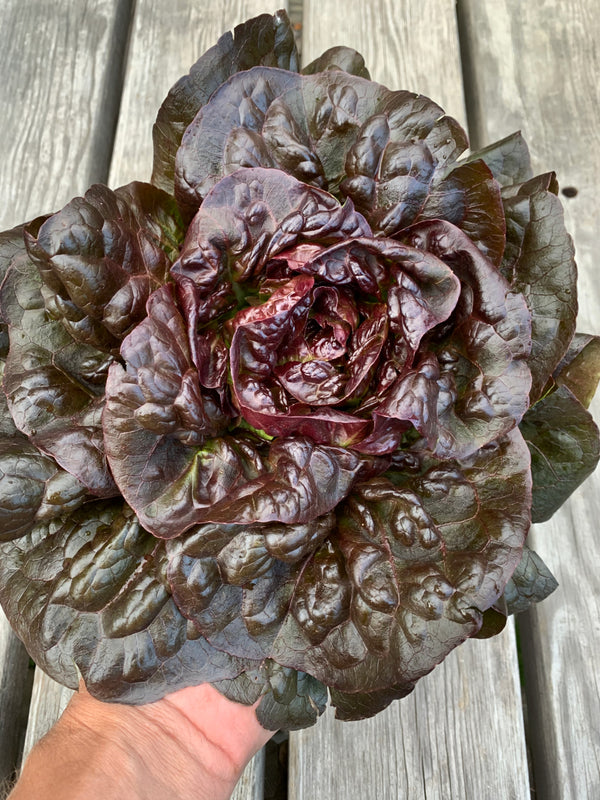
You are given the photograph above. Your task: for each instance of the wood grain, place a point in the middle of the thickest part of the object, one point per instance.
(536, 67)
(60, 64)
(251, 785)
(167, 38)
(441, 742)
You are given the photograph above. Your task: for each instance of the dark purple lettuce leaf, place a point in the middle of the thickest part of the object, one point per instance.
(290, 700)
(539, 263)
(11, 244)
(494, 620)
(265, 40)
(508, 159)
(344, 58)
(331, 130)
(377, 598)
(482, 387)
(8, 428)
(53, 384)
(531, 583)
(397, 159)
(33, 488)
(579, 370)
(392, 161)
(227, 134)
(302, 481)
(469, 197)
(362, 705)
(86, 594)
(260, 213)
(102, 256)
(565, 449)
(160, 426)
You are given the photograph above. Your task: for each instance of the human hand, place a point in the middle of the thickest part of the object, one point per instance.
(192, 743)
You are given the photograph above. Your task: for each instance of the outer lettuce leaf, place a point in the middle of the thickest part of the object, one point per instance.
(52, 383)
(86, 596)
(402, 568)
(344, 58)
(266, 40)
(469, 197)
(565, 449)
(32, 488)
(102, 255)
(539, 262)
(482, 386)
(508, 159)
(333, 130)
(290, 699)
(531, 583)
(579, 370)
(362, 705)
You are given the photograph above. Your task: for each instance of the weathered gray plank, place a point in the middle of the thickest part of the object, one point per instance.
(15, 688)
(536, 66)
(446, 740)
(442, 742)
(60, 63)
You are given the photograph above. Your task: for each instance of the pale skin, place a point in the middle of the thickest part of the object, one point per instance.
(193, 743)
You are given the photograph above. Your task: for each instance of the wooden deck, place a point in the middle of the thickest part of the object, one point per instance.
(81, 81)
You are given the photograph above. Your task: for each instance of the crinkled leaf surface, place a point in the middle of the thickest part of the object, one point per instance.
(396, 569)
(333, 130)
(102, 255)
(469, 197)
(290, 699)
(32, 488)
(267, 39)
(531, 583)
(565, 448)
(483, 382)
(53, 384)
(86, 594)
